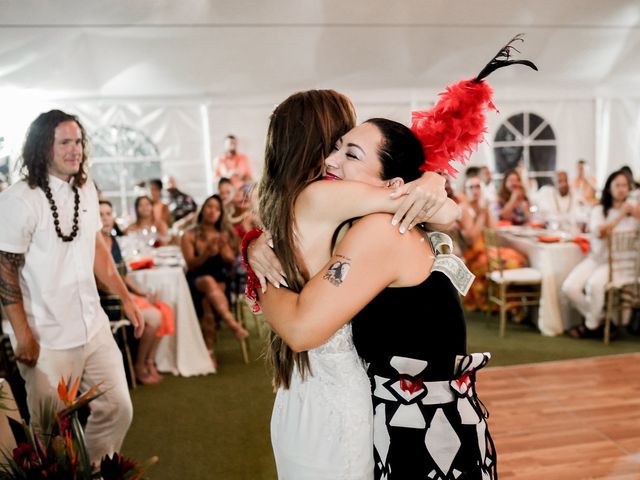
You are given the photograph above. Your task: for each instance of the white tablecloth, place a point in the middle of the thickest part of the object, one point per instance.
(554, 261)
(185, 352)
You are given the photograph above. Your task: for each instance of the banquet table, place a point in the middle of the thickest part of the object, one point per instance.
(554, 261)
(183, 353)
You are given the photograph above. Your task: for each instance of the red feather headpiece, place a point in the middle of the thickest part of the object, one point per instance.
(453, 128)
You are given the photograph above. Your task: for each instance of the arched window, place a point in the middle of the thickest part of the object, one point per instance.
(122, 157)
(527, 137)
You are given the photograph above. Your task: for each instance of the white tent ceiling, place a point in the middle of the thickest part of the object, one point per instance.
(242, 49)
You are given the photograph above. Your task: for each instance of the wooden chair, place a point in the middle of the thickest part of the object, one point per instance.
(237, 302)
(508, 288)
(112, 306)
(623, 286)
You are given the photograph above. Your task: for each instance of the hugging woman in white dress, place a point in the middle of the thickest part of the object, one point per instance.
(322, 418)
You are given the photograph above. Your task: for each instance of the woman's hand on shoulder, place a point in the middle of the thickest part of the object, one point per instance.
(424, 197)
(264, 263)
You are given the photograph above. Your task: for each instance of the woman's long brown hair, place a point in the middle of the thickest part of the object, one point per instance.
(302, 131)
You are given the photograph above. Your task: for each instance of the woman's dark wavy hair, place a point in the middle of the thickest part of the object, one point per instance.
(606, 199)
(136, 205)
(223, 224)
(219, 223)
(38, 147)
(302, 131)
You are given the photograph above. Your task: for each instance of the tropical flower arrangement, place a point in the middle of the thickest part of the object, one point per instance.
(58, 451)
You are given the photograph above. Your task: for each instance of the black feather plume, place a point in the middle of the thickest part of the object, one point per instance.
(503, 59)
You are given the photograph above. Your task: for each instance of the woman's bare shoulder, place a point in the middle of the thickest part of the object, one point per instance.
(190, 232)
(316, 191)
(377, 227)
(331, 190)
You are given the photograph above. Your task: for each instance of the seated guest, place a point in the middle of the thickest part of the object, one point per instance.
(512, 205)
(160, 209)
(243, 217)
(227, 193)
(158, 316)
(585, 285)
(476, 216)
(209, 248)
(146, 223)
(460, 197)
(181, 204)
(488, 187)
(557, 203)
(455, 229)
(584, 185)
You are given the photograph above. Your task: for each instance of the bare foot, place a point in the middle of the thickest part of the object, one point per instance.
(153, 371)
(144, 377)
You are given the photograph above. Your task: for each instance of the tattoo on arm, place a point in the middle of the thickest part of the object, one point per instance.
(10, 265)
(338, 271)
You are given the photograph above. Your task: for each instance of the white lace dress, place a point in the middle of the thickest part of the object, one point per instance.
(321, 428)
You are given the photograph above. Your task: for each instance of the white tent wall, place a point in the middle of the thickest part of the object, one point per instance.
(188, 73)
(573, 122)
(605, 132)
(177, 131)
(248, 123)
(618, 136)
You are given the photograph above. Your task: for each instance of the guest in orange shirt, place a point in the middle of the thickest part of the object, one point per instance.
(231, 164)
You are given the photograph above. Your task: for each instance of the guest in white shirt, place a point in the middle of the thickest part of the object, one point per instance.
(488, 186)
(50, 249)
(585, 285)
(557, 204)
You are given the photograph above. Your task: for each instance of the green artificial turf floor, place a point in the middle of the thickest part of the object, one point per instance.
(217, 426)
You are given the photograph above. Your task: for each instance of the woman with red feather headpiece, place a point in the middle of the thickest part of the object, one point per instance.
(427, 420)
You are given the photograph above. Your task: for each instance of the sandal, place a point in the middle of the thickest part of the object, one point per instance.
(577, 331)
(581, 331)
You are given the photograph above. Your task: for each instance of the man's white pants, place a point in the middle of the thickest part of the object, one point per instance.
(585, 288)
(97, 362)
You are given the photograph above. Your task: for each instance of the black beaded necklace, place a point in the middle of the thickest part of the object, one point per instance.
(54, 212)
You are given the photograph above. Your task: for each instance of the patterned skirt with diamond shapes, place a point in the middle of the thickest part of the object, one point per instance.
(430, 429)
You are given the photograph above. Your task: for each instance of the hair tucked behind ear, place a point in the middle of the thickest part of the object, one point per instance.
(301, 133)
(400, 152)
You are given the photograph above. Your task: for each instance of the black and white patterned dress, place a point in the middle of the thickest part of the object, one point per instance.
(428, 421)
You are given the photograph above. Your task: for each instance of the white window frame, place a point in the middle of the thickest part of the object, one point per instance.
(526, 141)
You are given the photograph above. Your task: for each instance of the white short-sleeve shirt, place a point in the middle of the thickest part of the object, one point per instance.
(58, 286)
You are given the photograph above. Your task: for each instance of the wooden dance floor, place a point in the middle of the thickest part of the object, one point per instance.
(573, 419)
